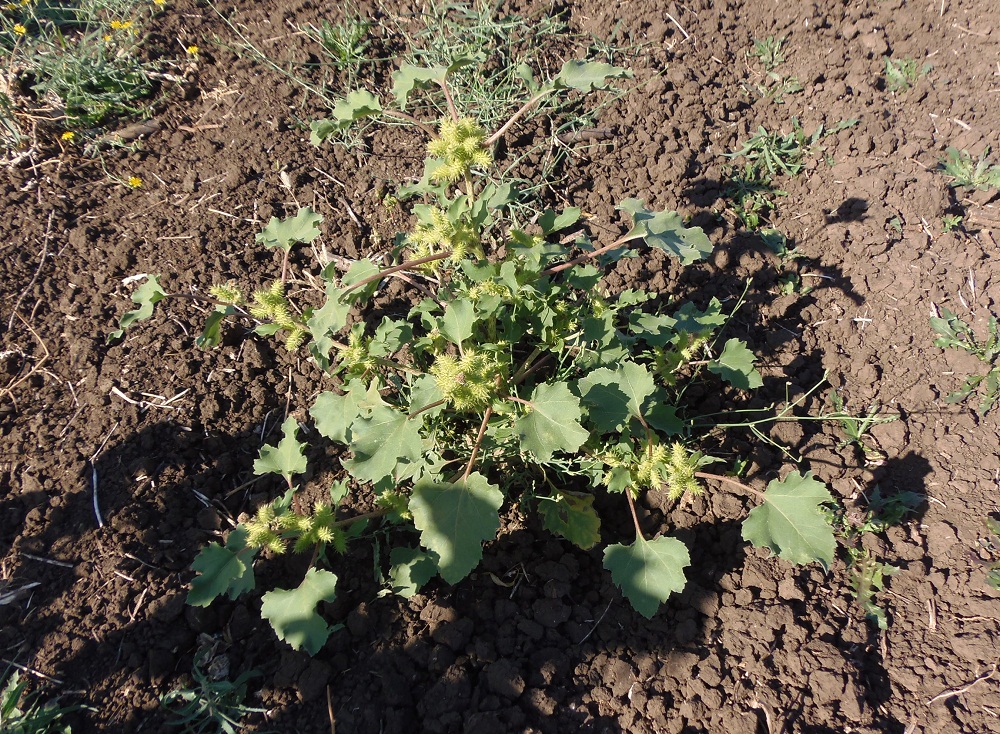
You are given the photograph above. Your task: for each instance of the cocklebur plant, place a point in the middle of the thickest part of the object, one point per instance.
(515, 380)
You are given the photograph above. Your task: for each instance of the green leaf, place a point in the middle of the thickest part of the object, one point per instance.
(292, 612)
(551, 222)
(791, 521)
(222, 570)
(335, 413)
(587, 76)
(424, 392)
(211, 335)
(612, 396)
(410, 77)
(456, 325)
(572, 516)
(454, 519)
(735, 366)
(320, 130)
(410, 569)
(666, 231)
(287, 458)
(356, 105)
(326, 322)
(147, 295)
(283, 233)
(385, 445)
(552, 422)
(648, 571)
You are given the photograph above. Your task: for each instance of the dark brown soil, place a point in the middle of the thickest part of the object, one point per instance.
(538, 639)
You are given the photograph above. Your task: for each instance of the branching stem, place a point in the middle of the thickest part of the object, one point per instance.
(451, 102)
(408, 265)
(515, 117)
(410, 118)
(730, 481)
(357, 518)
(478, 443)
(435, 404)
(590, 255)
(635, 515)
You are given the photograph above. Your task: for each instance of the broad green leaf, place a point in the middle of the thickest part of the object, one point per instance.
(689, 319)
(666, 231)
(457, 322)
(648, 571)
(327, 321)
(320, 130)
(390, 336)
(424, 392)
(356, 105)
(552, 422)
(735, 366)
(335, 413)
(292, 612)
(573, 517)
(410, 77)
(454, 519)
(551, 222)
(410, 569)
(792, 523)
(385, 445)
(147, 295)
(287, 458)
(222, 570)
(283, 233)
(211, 335)
(358, 271)
(587, 76)
(612, 396)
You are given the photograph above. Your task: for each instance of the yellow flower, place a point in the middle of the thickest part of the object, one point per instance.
(193, 50)
(121, 25)
(19, 30)
(134, 182)
(107, 37)
(68, 135)
(159, 2)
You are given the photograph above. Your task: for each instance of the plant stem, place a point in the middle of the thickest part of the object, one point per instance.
(635, 516)
(284, 266)
(435, 404)
(200, 299)
(410, 118)
(519, 375)
(478, 443)
(590, 255)
(357, 518)
(728, 480)
(516, 399)
(534, 368)
(515, 117)
(408, 265)
(451, 102)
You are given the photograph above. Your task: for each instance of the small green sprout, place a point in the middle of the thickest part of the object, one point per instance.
(901, 74)
(969, 173)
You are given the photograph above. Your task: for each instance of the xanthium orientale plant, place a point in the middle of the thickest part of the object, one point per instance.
(515, 380)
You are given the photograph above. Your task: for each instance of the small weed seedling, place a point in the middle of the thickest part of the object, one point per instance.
(785, 154)
(769, 55)
(210, 706)
(866, 572)
(20, 714)
(901, 74)
(993, 545)
(855, 427)
(953, 333)
(514, 379)
(752, 193)
(768, 52)
(967, 172)
(951, 222)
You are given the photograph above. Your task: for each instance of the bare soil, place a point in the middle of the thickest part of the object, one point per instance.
(142, 434)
